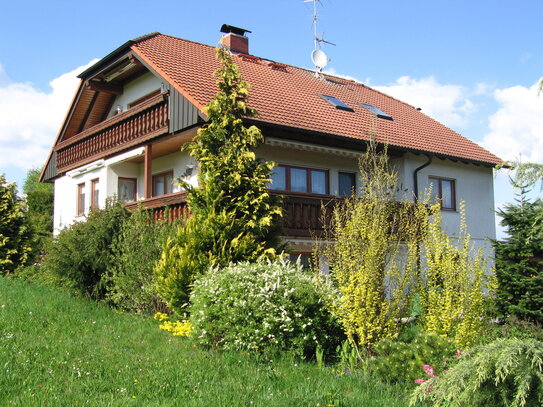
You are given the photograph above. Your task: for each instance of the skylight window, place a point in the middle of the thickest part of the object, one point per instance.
(338, 104)
(376, 111)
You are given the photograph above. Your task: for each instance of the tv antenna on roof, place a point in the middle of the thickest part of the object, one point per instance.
(319, 58)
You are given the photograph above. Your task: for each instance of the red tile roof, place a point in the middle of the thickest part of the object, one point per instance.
(289, 96)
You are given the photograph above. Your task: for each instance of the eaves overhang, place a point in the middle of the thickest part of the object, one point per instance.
(355, 144)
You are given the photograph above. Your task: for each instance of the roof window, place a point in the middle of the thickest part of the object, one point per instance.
(338, 104)
(380, 114)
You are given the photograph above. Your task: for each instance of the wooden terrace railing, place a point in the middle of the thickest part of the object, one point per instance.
(132, 127)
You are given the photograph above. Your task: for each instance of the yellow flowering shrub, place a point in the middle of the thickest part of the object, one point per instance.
(453, 296)
(375, 253)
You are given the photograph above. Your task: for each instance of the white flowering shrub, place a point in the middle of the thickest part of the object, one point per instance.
(258, 306)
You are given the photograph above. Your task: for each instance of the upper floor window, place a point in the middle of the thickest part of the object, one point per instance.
(143, 98)
(444, 190)
(346, 183)
(299, 179)
(95, 193)
(127, 189)
(163, 183)
(81, 199)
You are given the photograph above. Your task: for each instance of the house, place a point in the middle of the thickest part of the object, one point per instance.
(137, 106)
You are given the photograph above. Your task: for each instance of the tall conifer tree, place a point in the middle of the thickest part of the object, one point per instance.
(233, 217)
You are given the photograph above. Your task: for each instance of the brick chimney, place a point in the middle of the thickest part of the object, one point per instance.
(235, 39)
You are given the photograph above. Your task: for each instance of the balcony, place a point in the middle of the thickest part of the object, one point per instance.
(302, 212)
(125, 130)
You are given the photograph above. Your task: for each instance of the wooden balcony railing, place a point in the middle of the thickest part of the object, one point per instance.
(132, 127)
(302, 213)
(172, 205)
(301, 218)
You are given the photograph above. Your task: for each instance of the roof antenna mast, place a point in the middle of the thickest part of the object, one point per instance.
(319, 58)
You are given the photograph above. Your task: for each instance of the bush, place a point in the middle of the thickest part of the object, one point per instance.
(15, 235)
(399, 361)
(80, 255)
(506, 372)
(135, 250)
(261, 306)
(513, 328)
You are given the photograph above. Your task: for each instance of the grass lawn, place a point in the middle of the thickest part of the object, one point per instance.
(59, 350)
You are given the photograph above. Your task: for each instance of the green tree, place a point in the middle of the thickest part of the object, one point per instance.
(519, 257)
(14, 232)
(39, 199)
(233, 216)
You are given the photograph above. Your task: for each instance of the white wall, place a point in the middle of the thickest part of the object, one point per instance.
(65, 209)
(134, 90)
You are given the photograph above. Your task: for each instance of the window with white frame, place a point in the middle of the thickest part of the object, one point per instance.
(126, 189)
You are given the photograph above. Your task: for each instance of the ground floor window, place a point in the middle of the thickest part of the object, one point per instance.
(305, 259)
(163, 183)
(127, 189)
(81, 199)
(95, 193)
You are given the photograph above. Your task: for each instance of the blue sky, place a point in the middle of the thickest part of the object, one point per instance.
(472, 65)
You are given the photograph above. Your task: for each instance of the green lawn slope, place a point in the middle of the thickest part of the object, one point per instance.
(60, 350)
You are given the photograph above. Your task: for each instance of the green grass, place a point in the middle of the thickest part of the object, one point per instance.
(60, 350)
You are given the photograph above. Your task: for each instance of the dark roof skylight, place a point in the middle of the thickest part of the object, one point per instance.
(337, 103)
(377, 111)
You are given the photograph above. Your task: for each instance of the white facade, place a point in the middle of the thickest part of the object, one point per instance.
(108, 172)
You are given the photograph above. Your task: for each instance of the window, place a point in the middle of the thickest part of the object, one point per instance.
(378, 112)
(338, 104)
(346, 183)
(305, 259)
(144, 98)
(81, 199)
(127, 189)
(299, 179)
(444, 190)
(95, 193)
(162, 183)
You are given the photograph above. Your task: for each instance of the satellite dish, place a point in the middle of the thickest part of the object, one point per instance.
(319, 58)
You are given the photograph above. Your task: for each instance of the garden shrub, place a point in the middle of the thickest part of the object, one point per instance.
(15, 234)
(400, 361)
(506, 372)
(135, 250)
(374, 258)
(512, 328)
(264, 305)
(81, 253)
(39, 200)
(453, 299)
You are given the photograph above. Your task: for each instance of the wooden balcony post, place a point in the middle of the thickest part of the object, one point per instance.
(148, 172)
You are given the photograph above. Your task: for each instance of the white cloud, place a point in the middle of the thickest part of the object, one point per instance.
(517, 126)
(448, 104)
(31, 118)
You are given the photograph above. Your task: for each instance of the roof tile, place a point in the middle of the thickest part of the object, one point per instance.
(290, 97)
